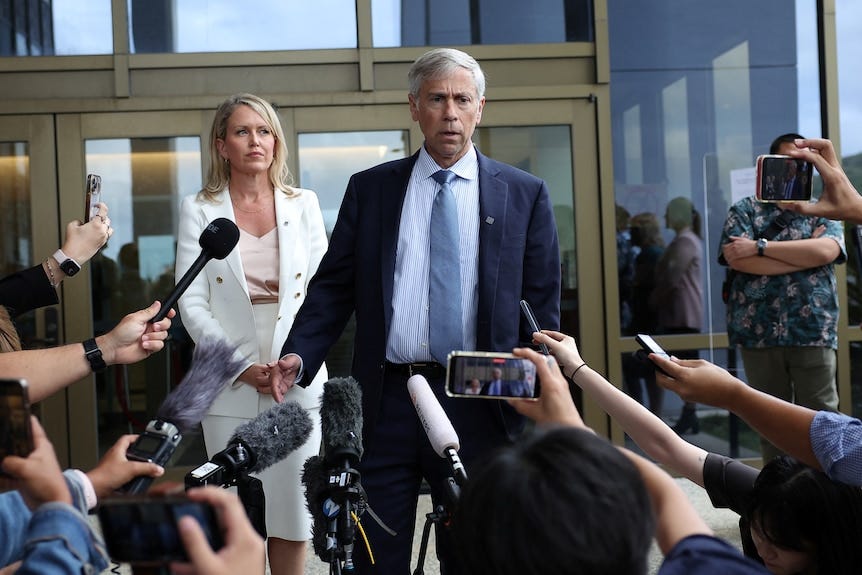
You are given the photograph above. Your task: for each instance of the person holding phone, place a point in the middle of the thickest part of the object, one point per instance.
(782, 312)
(563, 481)
(793, 517)
(251, 297)
(36, 287)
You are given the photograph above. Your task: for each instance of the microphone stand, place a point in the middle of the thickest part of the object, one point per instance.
(441, 516)
(345, 495)
(250, 491)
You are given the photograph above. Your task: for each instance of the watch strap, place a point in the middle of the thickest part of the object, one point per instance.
(60, 257)
(94, 355)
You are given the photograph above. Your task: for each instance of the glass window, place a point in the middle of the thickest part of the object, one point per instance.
(55, 28)
(225, 26)
(458, 22)
(326, 162)
(143, 180)
(16, 249)
(546, 152)
(692, 106)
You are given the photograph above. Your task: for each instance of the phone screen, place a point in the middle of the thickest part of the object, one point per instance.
(16, 436)
(143, 530)
(94, 196)
(491, 376)
(784, 179)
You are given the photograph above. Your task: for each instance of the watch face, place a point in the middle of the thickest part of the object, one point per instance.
(70, 268)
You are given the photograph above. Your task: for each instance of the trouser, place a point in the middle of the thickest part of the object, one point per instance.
(801, 375)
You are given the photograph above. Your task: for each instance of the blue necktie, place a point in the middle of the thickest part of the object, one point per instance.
(444, 290)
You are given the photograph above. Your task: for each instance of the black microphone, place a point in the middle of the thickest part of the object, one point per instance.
(437, 426)
(255, 445)
(213, 365)
(332, 489)
(216, 241)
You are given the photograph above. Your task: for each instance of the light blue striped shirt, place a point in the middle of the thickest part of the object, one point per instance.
(408, 334)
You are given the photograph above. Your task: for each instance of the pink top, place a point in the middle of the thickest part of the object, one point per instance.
(260, 262)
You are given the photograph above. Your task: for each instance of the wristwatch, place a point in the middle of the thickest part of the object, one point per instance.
(761, 245)
(94, 355)
(69, 266)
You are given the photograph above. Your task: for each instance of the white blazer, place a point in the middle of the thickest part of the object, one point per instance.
(217, 301)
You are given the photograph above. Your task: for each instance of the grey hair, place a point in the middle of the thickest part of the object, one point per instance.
(443, 62)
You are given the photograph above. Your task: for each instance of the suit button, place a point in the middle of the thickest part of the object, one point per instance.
(297, 295)
(298, 275)
(219, 280)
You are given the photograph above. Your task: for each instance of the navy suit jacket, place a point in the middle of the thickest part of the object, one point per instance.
(519, 258)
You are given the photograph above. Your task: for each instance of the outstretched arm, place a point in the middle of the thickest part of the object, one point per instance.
(50, 370)
(840, 200)
(784, 424)
(651, 434)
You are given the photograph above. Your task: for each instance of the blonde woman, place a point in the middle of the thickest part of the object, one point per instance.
(252, 296)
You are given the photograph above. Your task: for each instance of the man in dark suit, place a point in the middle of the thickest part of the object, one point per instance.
(377, 267)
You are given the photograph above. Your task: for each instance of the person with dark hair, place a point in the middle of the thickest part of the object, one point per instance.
(794, 518)
(677, 297)
(432, 253)
(596, 507)
(782, 312)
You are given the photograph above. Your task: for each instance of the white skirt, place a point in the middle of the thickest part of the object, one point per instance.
(286, 514)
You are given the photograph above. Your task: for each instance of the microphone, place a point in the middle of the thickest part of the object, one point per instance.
(255, 445)
(437, 426)
(213, 364)
(216, 241)
(333, 493)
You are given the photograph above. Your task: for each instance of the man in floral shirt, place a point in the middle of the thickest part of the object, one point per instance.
(783, 307)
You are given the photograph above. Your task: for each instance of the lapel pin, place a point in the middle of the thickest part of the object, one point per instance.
(489, 220)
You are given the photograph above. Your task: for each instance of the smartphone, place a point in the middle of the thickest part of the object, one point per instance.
(142, 530)
(534, 325)
(93, 195)
(650, 346)
(491, 375)
(784, 179)
(16, 435)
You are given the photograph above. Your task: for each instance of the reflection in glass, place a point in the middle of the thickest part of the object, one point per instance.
(427, 23)
(546, 152)
(326, 162)
(143, 180)
(689, 122)
(169, 26)
(16, 249)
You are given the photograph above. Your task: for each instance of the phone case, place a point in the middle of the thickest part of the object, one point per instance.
(93, 196)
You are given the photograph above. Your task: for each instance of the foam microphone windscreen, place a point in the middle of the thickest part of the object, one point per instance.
(219, 238)
(274, 434)
(316, 482)
(341, 420)
(213, 366)
(437, 426)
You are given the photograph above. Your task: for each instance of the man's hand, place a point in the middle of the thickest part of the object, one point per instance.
(839, 200)
(84, 240)
(283, 374)
(257, 376)
(39, 478)
(739, 247)
(135, 338)
(115, 470)
(243, 550)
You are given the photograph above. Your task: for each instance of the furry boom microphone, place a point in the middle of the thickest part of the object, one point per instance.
(213, 365)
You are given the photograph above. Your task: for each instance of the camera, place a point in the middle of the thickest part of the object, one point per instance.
(155, 445)
(491, 375)
(784, 179)
(142, 530)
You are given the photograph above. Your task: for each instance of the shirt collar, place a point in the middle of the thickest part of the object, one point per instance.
(467, 167)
